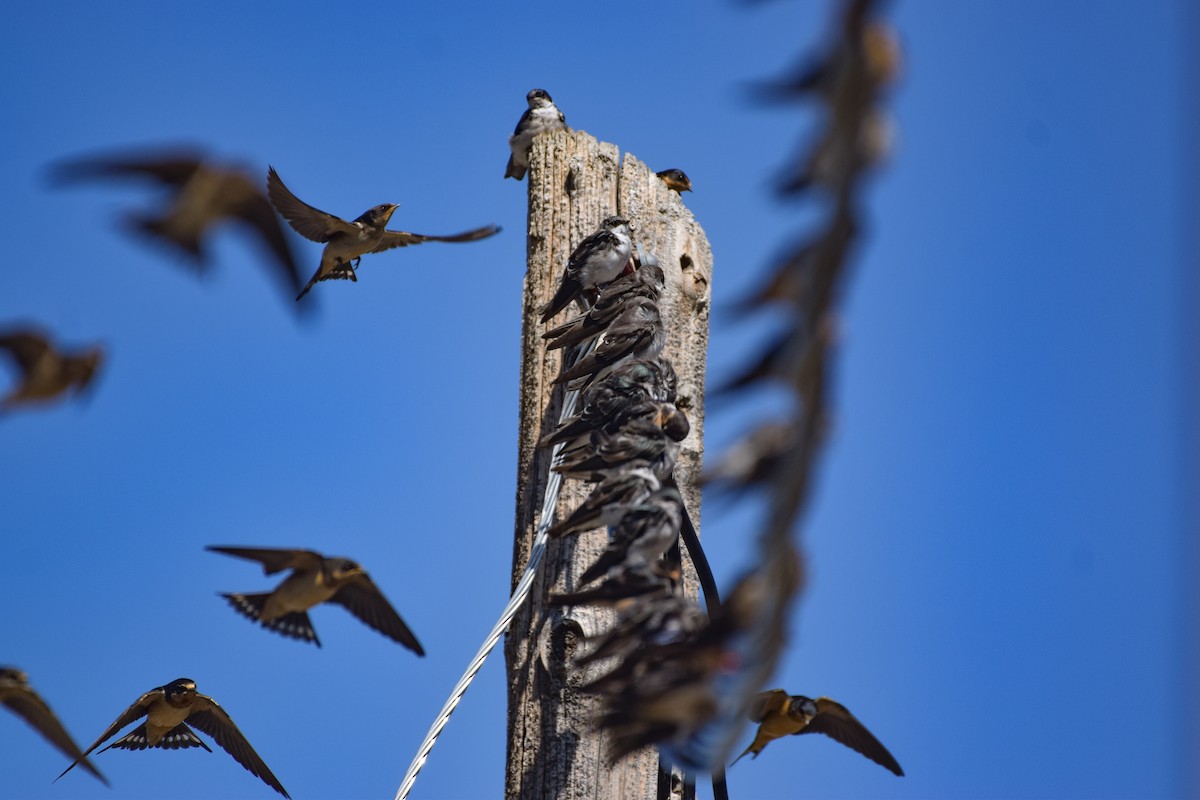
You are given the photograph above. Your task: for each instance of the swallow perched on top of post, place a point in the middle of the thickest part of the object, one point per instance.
(675, 179)
(346, 242)
(46, 373)
(315, 579)
(781, 714)
(598, 259)
(204, 194)
(22, 700)
(167, 710)
(542, 115)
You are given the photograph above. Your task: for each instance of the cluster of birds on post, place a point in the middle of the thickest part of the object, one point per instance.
(624, 439)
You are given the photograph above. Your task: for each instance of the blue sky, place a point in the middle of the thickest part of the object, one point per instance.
(997, 530)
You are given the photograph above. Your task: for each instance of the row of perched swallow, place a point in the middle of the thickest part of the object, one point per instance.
(168, 709)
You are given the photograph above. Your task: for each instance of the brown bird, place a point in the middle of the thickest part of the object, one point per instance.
(346, 242)
(22, 700)
(167, 710)
(204, 195)
(46, 372)
(675, 179)
(315, 579)
(781, 714)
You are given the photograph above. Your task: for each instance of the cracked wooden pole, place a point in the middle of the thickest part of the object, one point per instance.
(575, 182)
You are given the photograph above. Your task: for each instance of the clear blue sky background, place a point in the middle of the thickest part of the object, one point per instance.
(997, 530)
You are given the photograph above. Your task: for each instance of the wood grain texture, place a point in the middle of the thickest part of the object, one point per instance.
(575, 182)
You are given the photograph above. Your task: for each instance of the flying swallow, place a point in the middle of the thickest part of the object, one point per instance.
(315, 579)
(611, 498)
(167, 710)
(637, 333)
(204, 195)
(598, 259)
(346, 242)
(647, 281)
(675, 179)
(642, 536)
(542, 115)
(22, 700)
(46, 373)
(781, 714)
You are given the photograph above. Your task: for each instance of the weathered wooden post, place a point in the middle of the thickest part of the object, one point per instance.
(574, 182)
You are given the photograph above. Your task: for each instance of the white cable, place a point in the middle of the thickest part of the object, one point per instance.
(519, 595)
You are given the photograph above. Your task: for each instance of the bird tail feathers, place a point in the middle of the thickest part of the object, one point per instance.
(180, 737)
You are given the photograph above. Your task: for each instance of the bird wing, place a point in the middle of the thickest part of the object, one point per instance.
(600, 240)
(213, 720)
(362, 598)
(25, 347)
(766, 702)
(309, 222)
(29, 706)
(173, 169)
(404, 238)
(836, 722)
(256, 211)
(134, 712)
(273, 559)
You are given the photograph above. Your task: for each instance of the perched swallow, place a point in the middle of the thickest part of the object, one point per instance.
(611, 498)
(204, 195)
(646, 583)
(598, 259)
(781, 714)
(637, 333)
(668, 619)
(46, 373)
(643, 535)
(167, 710)
(648, 442)
(22, 700)
(675, 179)
(647, 281)
(630, 390)
(542, 115)
(315, 579)
(346, 242)
(754, 458)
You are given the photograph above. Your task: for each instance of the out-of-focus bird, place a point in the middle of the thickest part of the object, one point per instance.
(167, 710)
(637, 333)
(542, 115)
(20, 698)
(346, 242)
(315, 579)
(781, 714)
(598, 259)
(675, 179)
(204, 195)
(46, 373)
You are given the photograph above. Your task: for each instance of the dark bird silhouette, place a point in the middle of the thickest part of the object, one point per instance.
(781, 714)
(20, 698)
(315, 579)
(167, 710)
(203, 196)
(346, 242)
(542, 115)
(46, 373)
